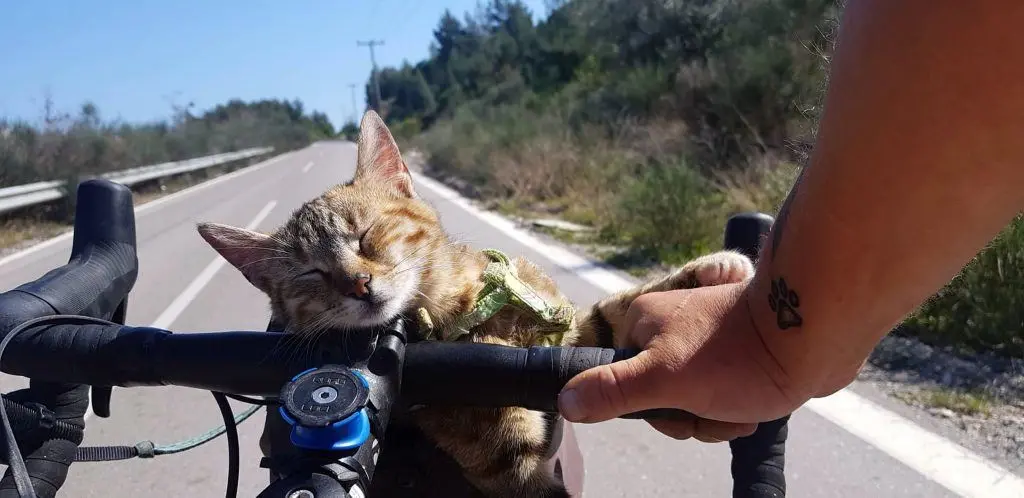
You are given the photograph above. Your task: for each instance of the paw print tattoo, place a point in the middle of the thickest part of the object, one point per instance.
(784, 302)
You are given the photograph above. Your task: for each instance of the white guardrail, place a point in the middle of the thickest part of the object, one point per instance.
(20, 196)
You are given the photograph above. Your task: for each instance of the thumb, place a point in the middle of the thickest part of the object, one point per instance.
(612, 390)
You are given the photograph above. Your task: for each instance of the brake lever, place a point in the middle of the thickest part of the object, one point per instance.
(100, 395)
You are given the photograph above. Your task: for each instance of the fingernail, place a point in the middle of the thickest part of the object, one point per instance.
(570, 407)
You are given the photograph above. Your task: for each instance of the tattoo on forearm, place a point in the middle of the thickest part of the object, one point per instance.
(784, 302)
(780, 221)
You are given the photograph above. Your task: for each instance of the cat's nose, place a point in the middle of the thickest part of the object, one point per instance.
(361, 285)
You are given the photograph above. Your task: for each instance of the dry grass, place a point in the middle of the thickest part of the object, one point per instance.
(15, 233)
(762, 186)
(636, 182)
(971, 403)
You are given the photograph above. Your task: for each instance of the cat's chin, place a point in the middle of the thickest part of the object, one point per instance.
(372, 314)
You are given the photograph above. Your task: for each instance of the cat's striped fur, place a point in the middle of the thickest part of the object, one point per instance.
(369, 250)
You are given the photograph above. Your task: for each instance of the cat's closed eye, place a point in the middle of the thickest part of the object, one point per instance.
(365, 248)
(362, 241)
(314, 272)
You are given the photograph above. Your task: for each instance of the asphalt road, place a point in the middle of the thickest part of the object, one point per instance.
(624, 458)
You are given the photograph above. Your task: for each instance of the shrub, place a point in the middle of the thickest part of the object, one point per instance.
(982, 309)
(670, 210)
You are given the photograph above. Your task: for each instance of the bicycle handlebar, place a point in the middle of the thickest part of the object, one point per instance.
(95, 282)
(63, 359)
(261, 362)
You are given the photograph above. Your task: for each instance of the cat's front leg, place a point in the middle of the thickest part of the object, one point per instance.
(604, 324)
(502, 451)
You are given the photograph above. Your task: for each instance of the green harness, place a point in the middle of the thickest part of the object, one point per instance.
(503, 287)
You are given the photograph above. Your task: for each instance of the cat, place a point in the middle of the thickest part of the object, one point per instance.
(367, 251)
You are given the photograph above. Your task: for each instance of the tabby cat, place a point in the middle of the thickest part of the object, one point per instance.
(369, 250)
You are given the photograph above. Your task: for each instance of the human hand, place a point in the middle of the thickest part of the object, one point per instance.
(702, 354)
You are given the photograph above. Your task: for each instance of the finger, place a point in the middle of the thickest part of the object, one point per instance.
(610, 391)
(676, 429)
(707, 439)
(714, 431)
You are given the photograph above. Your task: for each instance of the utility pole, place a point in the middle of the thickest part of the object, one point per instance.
(373, 61)
(355, 111)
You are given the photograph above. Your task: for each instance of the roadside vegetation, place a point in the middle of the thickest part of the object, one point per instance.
(71, 146)
(652, 121)
(65, 145)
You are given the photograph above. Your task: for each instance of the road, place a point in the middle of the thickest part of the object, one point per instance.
(181, 288)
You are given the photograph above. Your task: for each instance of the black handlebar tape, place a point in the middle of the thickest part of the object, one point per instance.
(477, 374)
(758, 461)
(49, 459)
(489, 375)
(112, 355)
(103, 265)
(95, 282)
(745, 232)
(259, 363)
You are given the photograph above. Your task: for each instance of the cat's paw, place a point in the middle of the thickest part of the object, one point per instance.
(723, 267)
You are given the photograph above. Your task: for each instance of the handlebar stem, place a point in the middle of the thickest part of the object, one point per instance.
(297, 472)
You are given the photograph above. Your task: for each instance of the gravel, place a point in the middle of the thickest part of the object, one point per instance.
(910, 371)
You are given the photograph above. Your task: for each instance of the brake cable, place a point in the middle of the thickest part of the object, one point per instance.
(142, 449)
(147, 449)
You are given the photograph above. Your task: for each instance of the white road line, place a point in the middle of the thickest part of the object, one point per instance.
(308, 166)
(181, 302)
(958, 469)
(944, 462)
(150, 205)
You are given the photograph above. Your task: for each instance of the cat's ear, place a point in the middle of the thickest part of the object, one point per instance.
(379, 158)
(252, 253)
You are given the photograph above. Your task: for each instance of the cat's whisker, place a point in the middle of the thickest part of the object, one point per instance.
(421, 263)
(306, 336)
(262, 248)
(416, 265)
(428, 298)
(401, 261)
(320, 322)
(310, 334)
(291, 343)
(418, 249)
(262, 260)
(438, 267)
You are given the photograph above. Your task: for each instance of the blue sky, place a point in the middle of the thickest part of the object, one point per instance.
(134, 58)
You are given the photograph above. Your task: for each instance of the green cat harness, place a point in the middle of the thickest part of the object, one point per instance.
(503, 287)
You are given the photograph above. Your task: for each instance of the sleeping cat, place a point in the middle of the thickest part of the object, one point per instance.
(370, 250)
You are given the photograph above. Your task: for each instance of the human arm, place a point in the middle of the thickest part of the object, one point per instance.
(918, 164)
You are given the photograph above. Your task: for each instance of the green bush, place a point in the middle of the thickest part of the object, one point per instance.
(671, 211)
(406, 128)
(982, 309)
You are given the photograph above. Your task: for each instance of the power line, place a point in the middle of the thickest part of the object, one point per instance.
(373, 60)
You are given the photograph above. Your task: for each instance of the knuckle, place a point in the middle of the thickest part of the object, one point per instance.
(640, 306)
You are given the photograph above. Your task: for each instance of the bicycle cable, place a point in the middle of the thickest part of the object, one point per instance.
(144, 449)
